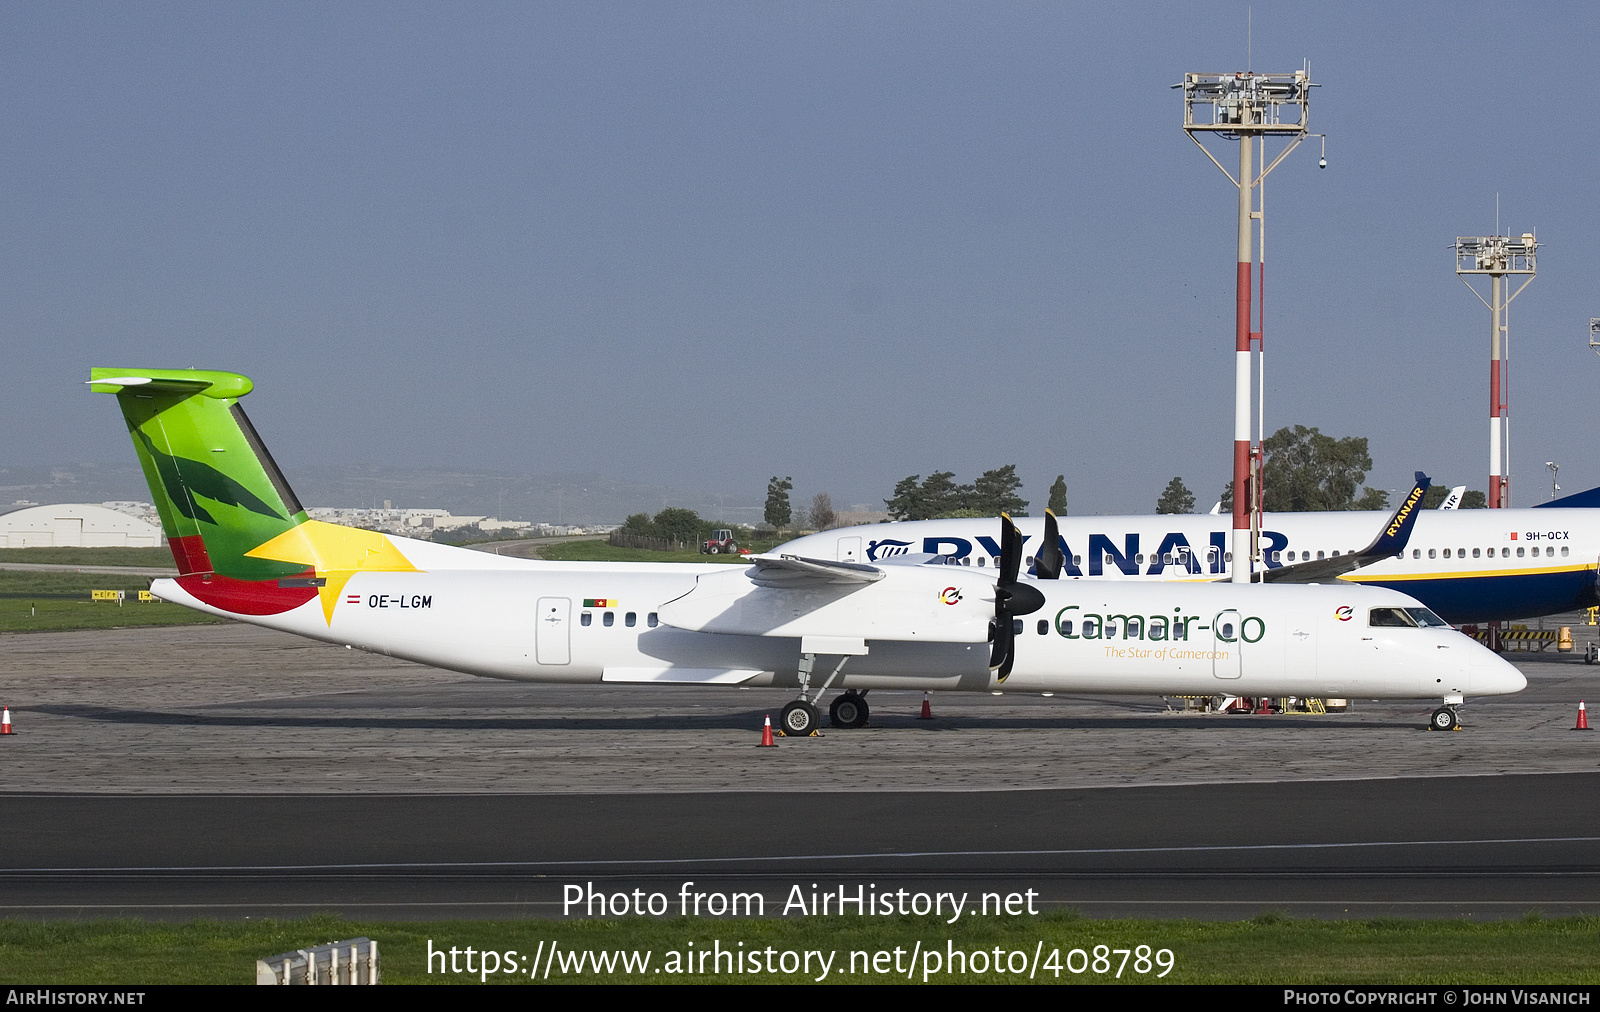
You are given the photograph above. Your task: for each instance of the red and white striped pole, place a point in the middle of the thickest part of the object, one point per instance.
(1241, 371)
(1497, 406)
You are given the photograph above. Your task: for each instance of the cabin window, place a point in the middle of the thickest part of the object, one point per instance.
(1065, 627)
(1226, 631)
(1416, 553)
(1476, 552)
(651, 620)
(1077, 560)
(1230, 556)
(981, 561)
(630, 619)
(1277, 556)
(1138, 560)
(1521, 551)
(587, 618)
(1016, 627)
(1447, 553)
(1336, 553)
(1461, 553)
(1166, 559)
(966, 561)
(1563, 551)
(1505, 553)
(608, 619)
(1433, 553)
(1319, 555)
(1044, 627)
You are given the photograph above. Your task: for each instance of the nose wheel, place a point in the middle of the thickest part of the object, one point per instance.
(1444, 719)
(798, 719)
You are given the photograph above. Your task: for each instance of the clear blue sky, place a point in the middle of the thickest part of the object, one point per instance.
(697, 244)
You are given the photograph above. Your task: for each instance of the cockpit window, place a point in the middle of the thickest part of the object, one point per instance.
(1390, 618)
(1427, 619)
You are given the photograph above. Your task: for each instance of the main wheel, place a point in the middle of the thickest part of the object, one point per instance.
(1444, 719)
(848, 711)
(798, 719)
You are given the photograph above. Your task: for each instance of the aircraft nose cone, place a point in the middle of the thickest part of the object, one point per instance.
(1495, 676)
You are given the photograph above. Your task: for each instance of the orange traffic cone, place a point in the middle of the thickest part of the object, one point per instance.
(1583, 719)
(927, 711)
(766, 734)
(5, 721)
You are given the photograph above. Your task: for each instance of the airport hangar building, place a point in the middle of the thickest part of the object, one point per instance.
(74, 525)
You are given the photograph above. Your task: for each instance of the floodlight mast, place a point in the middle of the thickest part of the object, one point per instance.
(1247, 107)
(1498, 256)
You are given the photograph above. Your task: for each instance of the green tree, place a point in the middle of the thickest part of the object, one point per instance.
(1227, 498)
(778, 512)
(640, 524)
(1473, 500)
(1058, 496)
(1435, 495)
(995, 492)
(822, 515)
(678, 524)
(940, 495)
(1306, 470)
(906, 503)
(1176, 499)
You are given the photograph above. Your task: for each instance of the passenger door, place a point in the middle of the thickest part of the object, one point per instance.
(1226, 639)
(553, 637)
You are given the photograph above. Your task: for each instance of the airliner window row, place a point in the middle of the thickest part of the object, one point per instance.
(609, 619)
(1170, 559)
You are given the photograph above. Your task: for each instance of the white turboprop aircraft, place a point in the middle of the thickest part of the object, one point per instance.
(1466, 565)
(246, 550)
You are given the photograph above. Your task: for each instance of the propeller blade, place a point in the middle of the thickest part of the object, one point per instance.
(1010, 550)
(1049, 559)
(1011, 599)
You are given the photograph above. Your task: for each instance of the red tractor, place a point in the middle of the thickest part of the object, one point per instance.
(720, 543)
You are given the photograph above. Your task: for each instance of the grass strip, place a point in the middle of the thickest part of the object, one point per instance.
(90, 556)
(1268, 949)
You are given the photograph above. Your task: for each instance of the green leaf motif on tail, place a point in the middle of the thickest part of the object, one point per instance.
(184, 478)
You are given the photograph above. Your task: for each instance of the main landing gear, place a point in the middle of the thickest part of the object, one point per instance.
(799, 719)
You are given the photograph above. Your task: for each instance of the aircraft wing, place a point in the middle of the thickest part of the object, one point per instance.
(792, 571)
(796, 597)
(1391, 541)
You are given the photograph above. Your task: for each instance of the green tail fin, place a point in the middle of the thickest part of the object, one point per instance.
(215, 485)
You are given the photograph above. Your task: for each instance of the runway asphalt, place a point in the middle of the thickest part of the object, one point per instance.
(1478, 847)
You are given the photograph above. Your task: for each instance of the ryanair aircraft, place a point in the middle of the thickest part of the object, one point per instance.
(1465, 565)
(245, 549)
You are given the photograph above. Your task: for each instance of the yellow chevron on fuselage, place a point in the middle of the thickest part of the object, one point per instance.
(337, 553)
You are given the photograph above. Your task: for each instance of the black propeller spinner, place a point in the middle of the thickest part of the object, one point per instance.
(1011, 599)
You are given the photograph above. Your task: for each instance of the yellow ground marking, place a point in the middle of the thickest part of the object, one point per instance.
(336, 553)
